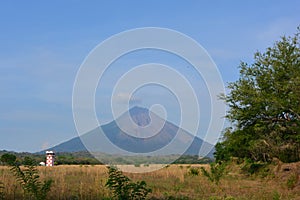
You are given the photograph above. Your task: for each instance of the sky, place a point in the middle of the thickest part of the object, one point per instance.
(43, 44)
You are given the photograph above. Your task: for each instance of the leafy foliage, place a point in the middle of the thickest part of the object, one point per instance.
(264, 106)
(258, 168)
(194, 171)
(123, 188)
(9, 159)
(29, 177)
(216, 172)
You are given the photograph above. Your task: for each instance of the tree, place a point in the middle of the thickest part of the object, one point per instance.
(9, 159)
(264, 106)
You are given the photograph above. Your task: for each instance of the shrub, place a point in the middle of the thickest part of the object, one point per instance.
(216, 172)
(28, 178)
(9, 159)
(194, 171)
(252, 168)
(123, 188)
(261, 169)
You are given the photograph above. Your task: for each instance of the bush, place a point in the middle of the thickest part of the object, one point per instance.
(194, 171)
(9, 159)
(257, 168)
(28, 178)
(216, 172)
(123, 188)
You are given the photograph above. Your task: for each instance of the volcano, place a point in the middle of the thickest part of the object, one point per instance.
(141, 131)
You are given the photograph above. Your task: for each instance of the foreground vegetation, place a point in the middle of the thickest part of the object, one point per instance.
(276, 181)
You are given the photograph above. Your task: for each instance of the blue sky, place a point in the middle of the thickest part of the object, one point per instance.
(42, 45)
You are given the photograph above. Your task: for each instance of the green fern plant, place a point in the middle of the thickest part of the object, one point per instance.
(216, 172)
(28, 178)
(123, 188)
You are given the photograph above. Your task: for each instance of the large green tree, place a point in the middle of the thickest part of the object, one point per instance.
(264, 106)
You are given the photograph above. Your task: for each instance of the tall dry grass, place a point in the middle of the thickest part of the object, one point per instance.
(88, 182)
(70, 182)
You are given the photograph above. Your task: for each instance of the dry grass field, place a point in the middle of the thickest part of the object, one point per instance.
(172, 182)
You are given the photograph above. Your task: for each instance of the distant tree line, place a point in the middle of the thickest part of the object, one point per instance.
(85, 158)
(74, 158)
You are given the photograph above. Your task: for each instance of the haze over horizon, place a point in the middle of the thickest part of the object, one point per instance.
(42, 46)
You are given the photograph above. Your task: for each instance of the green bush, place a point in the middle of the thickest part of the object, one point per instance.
(254, 167)
(28, 178)
(123, 188)
(258, 168)
(137, 165)
(9, 159)
(216, 172)
(194, 171)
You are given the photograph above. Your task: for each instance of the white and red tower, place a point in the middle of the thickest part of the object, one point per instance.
(50, 158)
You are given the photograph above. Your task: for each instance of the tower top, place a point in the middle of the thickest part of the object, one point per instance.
(50, 153)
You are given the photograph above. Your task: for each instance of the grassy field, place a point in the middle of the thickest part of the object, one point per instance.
(172, 182)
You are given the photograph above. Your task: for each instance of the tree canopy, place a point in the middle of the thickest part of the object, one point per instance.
(264, 106)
